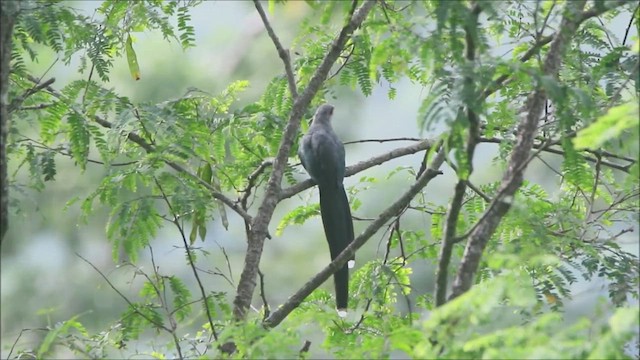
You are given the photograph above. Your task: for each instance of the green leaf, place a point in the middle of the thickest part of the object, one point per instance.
(297, 216)
(622, 326)
(194, 233)
(60, 330)
(182, 297)
(48, 166)
(609, 126)
(79, 137)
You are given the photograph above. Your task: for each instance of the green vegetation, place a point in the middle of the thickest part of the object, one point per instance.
(562, 93)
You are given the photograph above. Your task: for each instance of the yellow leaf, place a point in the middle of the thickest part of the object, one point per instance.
(132, 59)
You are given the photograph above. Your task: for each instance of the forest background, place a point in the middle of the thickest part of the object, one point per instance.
(92, 210)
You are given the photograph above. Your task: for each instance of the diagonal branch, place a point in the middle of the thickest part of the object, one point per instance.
(284, 54)
(526, 133)
(297, 298)
(260, 224)
(17, 102)
(251, 182)
(502, 79)
(133, 306)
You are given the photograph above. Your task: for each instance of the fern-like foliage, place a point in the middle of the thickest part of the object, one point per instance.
(173, 162)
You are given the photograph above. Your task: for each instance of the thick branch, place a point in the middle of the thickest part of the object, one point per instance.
(512, 180)
(361, 166)
(284, 54)
(297, 298)
(259, 227)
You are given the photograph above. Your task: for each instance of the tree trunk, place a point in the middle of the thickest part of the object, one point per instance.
(8, 13)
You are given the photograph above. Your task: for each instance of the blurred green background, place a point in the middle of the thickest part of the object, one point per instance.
(43, 281)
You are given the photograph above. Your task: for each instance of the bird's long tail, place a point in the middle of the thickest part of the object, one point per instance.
(338, 227)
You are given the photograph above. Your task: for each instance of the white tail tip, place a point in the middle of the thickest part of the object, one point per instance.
(351, 264)
(342, 313)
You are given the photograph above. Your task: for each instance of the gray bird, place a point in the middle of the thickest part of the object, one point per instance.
(322, 155)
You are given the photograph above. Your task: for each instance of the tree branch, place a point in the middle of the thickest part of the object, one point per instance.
(382, 140)
(137, 139)
(251, 182)
(190, 257)
(464, 170)
(361, 166)
(297, 298)
(263, 296)
(259, 226)
(284, 54)
(512, 180)
(546, 147)
(586, 15)
(133, 137)
(8, 15)
(131, 305)
(17, 102)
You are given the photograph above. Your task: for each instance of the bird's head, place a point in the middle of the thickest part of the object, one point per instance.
(323, 114)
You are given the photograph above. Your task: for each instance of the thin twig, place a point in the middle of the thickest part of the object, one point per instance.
(227, 261)
(162, 297)
(382, 140)
(626, 32)
(34, 107)
(595, 11)
(546, 20)
(263, 296)
(18, 339)
(61, 151)
(131, 305)
(546, 147)
(500, 81)
(284, 54)
(251, 180)
(346, 60)
(190, 258)
(570, 134)
(480, 193)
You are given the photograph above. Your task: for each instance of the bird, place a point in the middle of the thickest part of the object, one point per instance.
(322, 155)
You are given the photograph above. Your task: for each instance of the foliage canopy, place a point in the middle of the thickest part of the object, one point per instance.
(566, 89)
